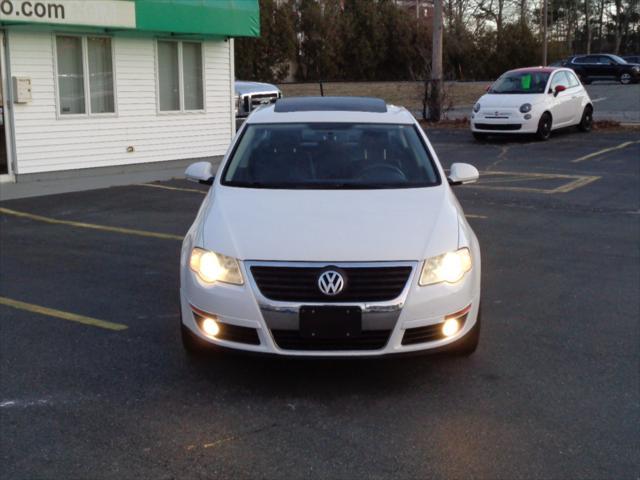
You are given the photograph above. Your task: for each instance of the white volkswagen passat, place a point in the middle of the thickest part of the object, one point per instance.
(331, 230)
(532, 100)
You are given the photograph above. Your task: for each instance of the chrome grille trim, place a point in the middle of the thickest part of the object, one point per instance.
(283, 315)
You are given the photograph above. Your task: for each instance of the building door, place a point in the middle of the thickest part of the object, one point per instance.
(5, 126)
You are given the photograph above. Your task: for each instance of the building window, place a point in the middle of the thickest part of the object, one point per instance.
(180, 76)
(85, 75)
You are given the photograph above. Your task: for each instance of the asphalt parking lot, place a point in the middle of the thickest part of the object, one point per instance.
(613, 101)
(96, 385)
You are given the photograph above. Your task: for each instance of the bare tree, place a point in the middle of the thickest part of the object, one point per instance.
(545, 21)
(618, 26)
(587, 24)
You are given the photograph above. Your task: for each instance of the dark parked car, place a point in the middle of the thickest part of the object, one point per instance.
(604, 66)
(632, 58)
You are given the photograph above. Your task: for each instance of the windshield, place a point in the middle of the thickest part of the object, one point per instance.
(330, 155)
(618, 59)
(521, 82)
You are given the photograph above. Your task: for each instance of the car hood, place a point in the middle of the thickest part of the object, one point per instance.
(508, 100)
(242, 87)
(331, 225)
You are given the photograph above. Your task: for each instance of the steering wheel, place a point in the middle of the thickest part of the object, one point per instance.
(366, 173)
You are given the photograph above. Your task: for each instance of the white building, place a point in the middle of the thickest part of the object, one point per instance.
(95, 87)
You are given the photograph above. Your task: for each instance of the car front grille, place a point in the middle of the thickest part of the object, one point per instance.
(263, 99)
(367, 340)
(499, 126)
(300, 284)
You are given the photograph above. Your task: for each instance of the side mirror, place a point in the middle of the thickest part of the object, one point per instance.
(487, 88)
(200, 172)
(462, 173)
(559, 88)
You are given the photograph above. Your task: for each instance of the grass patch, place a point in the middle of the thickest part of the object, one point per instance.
(405, 94)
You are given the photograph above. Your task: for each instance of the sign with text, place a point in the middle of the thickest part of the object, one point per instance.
(95, 13)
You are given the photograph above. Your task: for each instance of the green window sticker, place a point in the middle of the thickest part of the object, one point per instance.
(525, 82)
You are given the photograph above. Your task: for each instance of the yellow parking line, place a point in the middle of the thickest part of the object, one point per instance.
(52, 312)
(577, 181)
(93, 226)
(471, 215)
(166, 187)
(604, 150)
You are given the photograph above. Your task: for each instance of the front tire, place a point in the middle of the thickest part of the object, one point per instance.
(544, 127)
(625, 78)
(587, 119)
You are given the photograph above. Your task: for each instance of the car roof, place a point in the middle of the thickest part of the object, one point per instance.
(331, 110)
(537, 69)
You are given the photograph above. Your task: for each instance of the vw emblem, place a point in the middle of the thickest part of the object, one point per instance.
(331, 282)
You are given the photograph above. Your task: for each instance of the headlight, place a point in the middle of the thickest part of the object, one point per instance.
(212, 267)
(525, 107)
(476, 107)
(449, 267)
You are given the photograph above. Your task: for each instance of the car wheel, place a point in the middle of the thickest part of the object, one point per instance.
(481, 137)
(625, 78)
(469, 343)
(587, 119)
(544, 127)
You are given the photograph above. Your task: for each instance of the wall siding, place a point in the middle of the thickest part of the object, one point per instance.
(45, 142)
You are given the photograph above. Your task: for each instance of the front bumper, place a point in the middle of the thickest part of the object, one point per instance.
(403, 325)
(511, 122)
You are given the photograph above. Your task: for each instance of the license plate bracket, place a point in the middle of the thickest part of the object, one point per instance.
(330, 322)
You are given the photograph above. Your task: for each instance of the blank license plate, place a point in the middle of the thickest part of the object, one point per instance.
(330, 322)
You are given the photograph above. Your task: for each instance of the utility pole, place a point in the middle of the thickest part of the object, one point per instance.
(544, 32)
(435, 96)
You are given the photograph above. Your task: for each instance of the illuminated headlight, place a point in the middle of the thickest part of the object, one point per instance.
(213, 267)
(449, 267)
(525, 107)
(476, 107)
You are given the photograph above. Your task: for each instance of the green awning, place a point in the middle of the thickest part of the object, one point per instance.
(234, 18)
(220, 18)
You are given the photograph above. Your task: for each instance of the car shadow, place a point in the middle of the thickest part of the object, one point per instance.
(324, 379)
(524, 139)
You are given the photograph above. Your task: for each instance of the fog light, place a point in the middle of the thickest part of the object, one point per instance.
(527, 116)
(450, 327)
(210, 327)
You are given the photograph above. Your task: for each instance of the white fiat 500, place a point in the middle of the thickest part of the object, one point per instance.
(533, 100)
(331, 229)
